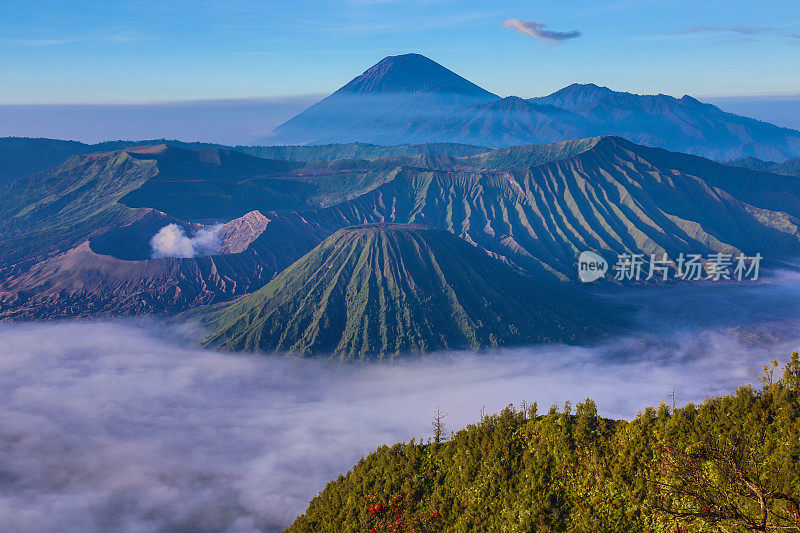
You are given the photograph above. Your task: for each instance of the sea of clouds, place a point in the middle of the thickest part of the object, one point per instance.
(126, 426)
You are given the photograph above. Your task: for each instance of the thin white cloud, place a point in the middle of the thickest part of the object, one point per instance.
(121, 37)
(733, 33)
(537, 29)
(401, 25)
(38, 42)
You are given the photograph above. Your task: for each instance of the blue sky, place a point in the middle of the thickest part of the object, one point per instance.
(156, 51)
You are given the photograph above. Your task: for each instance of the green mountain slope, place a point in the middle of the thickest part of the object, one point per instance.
(214, 183)
(604, 194)
(728, 464)
(88, 195)
(54, 210)
(382, 290)
(535, 207)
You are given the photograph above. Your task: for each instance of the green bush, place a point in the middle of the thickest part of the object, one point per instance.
(728, 464)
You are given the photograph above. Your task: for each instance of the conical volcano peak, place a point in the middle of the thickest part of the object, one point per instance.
(380, 290)
(409, 73)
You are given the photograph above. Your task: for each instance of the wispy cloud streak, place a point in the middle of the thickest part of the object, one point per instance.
(739, 33)
(537, 29)
(118, 38)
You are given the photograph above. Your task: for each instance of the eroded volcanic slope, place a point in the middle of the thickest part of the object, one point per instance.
(381, 290)
(81, 232)
(539, 206)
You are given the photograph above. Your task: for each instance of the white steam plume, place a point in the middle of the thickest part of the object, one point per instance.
(172, 241)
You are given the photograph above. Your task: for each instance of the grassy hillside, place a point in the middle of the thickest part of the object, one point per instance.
(89, 195)
(54, 210)
(380, 290)
(730, 464)
(215, 184)
(526, 156)
(536, 205)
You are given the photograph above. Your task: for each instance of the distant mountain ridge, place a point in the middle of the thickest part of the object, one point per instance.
(786, 168)
(679, 124)
(22, 156)
(411, 99)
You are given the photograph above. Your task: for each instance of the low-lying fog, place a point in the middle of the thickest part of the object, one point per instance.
(124, 426)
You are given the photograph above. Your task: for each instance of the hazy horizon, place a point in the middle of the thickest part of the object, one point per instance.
(232, 122)
(248, 120)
